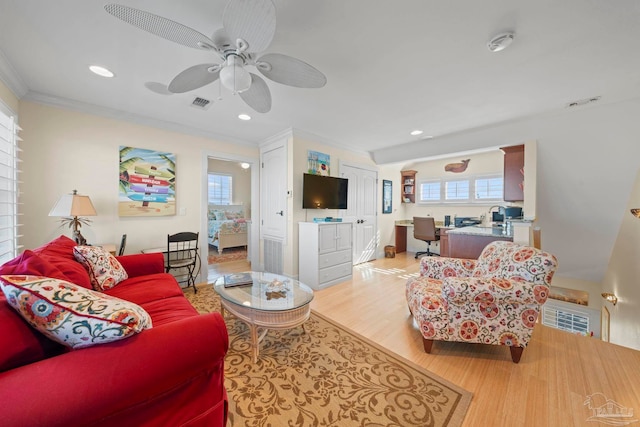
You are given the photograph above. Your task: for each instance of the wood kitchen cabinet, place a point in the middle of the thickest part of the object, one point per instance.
(408, 182)
(513, 173)
(444, 242)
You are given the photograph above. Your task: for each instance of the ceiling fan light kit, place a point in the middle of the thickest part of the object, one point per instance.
(248, 28)
(233, 76)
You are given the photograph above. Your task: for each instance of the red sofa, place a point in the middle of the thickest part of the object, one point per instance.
(169, 375)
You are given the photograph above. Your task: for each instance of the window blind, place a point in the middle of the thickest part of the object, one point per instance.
(220, 189)
(8, 186)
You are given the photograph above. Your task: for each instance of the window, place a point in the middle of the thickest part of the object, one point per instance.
(8, 185)
(575, 321)
(220, 189)
(489, 188)
(429, 191)
(457, 190)
(472, 189)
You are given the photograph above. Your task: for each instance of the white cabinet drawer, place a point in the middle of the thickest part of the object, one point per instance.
(334, 258)
(335, 272)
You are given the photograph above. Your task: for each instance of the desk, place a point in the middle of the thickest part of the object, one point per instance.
(401, 235)
(468, 242)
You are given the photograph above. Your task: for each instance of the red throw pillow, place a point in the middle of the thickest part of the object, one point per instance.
(29, 262)
(59, 252)
(20, 344)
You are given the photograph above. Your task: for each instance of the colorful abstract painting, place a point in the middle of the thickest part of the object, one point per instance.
(147, 183)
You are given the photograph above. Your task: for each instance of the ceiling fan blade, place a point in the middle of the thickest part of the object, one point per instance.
(253, 21)
(159, 88)
(258, 95)
(193, 78)
(290, 71)
(163, 27)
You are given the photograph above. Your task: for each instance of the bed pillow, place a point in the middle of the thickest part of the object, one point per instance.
(72, 315)
(220, 216)
(234, 215)
(105, 271)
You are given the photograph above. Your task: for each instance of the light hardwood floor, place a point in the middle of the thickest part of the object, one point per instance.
(557, 373)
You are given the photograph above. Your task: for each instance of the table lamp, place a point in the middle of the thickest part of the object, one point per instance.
(72, 206)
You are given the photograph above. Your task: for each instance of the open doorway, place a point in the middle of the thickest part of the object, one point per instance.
(229, 216)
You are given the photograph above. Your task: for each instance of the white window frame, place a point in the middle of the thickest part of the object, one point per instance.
(472, 198)
(498, 177)
(220, 200)
(9, 161)
(429, 182)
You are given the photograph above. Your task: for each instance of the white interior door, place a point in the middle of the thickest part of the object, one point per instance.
(274, 183)
(361, 211)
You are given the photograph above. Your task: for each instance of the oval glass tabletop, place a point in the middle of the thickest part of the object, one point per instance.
(265, 291)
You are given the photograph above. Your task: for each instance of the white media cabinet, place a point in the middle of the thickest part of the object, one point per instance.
(324, 253)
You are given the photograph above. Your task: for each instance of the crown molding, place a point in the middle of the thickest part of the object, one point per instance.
(10, 77)
(138, 119)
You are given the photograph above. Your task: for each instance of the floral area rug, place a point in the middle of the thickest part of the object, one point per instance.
(228, 254)
(327, 376)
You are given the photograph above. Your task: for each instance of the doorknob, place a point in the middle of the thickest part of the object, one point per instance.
(281, 213)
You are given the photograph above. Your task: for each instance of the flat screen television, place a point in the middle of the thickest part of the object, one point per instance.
(324, 192)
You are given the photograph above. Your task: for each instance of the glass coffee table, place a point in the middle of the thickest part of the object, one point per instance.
(271, 301)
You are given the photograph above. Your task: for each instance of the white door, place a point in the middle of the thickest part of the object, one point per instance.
(274, 183)
(361, 211)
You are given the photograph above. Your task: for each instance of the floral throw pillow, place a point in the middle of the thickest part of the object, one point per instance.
(70, 314)
(105, 271)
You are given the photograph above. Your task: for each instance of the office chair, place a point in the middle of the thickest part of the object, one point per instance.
(425, 229)
(123, 243)
(182, 252)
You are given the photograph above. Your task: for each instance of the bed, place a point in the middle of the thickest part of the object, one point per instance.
(227, 226)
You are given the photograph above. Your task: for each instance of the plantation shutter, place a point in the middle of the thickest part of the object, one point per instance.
(8, 185)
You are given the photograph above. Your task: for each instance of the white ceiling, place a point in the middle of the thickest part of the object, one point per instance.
(391, 66)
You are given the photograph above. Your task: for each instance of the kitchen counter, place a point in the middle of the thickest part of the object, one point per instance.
(468, 242)
(495, 231)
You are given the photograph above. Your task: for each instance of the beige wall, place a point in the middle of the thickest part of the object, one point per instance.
(241, 181)
(300, 147)
(65, 150)
(623, 277)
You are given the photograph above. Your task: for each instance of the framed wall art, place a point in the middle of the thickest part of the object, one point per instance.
(387, 196)
(318, 163)
(147, 183)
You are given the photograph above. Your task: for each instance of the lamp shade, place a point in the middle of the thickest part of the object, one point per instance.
(73, 205)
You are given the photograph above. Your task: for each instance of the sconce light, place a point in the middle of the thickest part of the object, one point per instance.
(610, 297)
(244, 165)
(635, 212)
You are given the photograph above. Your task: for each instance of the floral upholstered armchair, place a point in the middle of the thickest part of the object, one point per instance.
(495, 299)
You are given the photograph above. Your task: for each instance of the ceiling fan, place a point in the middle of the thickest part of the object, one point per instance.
(248, 28)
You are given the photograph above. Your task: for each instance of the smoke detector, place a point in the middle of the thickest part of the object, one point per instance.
(500, 42)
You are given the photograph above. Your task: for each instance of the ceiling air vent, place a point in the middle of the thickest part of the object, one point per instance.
(201, 103)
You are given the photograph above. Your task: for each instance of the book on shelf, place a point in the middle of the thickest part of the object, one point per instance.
(237, 279)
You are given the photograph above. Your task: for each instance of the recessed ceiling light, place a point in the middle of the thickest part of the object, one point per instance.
(244, 117)
(101, 71)
(500, 42)
(416, 132)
